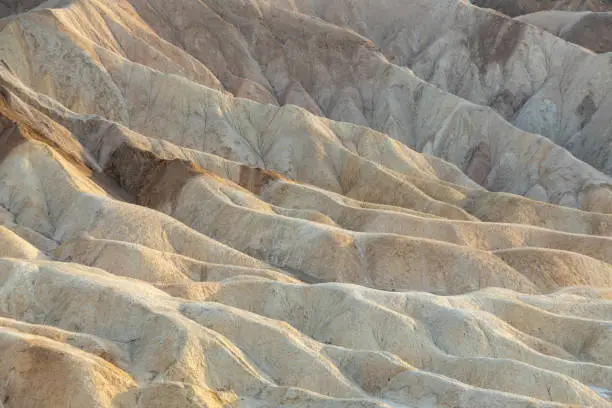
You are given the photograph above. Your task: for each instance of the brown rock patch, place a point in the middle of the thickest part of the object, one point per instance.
(496, 39)
(479, 163)
(586, 110)
(152, 180)
(255, 178)
(593, 31)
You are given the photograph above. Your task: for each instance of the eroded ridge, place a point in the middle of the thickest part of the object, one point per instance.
(257, 204)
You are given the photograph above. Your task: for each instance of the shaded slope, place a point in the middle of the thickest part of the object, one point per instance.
(519, 7)
(590, 30)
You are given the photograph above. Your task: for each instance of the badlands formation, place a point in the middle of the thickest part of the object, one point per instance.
(302, 203)
(515, 8)
(590, 30)
(586, 23)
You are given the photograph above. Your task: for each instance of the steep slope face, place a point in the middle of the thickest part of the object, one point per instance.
(9, 7)
(216, 203)
(590, 30)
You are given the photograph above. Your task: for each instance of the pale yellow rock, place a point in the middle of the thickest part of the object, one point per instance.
(221, 203)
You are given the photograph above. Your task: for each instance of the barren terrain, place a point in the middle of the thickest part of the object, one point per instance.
(303, 203)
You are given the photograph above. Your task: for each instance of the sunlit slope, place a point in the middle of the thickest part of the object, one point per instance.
(226, 203)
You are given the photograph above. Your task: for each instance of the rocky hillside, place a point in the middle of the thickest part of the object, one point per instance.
(515, 8)
(306, 203)
(586, 23)
(590, 30)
